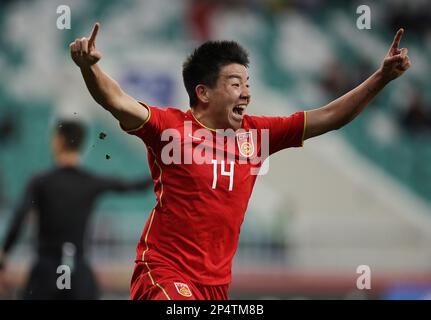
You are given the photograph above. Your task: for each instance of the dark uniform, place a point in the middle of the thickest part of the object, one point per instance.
(63, 199)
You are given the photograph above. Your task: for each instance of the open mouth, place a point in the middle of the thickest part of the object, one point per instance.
(239, 110)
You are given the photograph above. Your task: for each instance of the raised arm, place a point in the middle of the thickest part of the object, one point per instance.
(102, 87)
(105, 183)
(344, 109)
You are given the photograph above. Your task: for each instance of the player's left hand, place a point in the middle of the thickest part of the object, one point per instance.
(396, 61)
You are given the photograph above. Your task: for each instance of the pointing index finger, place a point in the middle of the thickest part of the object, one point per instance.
(94, 33)
(397, 39)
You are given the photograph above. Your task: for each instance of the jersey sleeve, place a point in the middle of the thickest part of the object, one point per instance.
(151, 130)
(284, 132)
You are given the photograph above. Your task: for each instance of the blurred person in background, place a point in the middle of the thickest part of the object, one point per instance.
(63, 199)
(8, 129)
(335, 79)
(188, 244)
(417, 118)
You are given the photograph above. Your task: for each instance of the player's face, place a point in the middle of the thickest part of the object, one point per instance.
(231, 95)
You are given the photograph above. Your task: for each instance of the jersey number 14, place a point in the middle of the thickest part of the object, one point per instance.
(223, 172)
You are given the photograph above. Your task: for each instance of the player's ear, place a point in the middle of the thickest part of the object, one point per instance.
(202, 93)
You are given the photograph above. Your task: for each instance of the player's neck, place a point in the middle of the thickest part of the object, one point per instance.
(206, 119)
(67, 159)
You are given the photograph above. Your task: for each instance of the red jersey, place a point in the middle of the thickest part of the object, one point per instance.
(194, 228)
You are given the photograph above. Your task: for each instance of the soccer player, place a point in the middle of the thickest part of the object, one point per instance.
(190, 238)
(63, 199)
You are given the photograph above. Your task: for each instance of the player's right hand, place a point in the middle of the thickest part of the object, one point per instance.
(83, 51)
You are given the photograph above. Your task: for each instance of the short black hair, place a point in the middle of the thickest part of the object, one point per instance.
(204, 64)
(73, 133)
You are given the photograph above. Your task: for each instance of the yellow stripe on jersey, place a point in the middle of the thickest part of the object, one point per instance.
(148, 232)
(305, 125)
(191, 111)
(155, 283)
(160, 176)
(142, 125)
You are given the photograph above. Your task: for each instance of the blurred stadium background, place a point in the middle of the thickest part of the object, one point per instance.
(358, 196)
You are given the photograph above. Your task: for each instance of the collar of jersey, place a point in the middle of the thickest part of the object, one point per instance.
(200, 123)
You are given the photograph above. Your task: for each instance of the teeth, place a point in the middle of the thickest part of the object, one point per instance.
(240, 109)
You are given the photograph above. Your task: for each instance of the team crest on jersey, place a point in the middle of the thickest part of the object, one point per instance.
(245, 143)
(183, 289)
